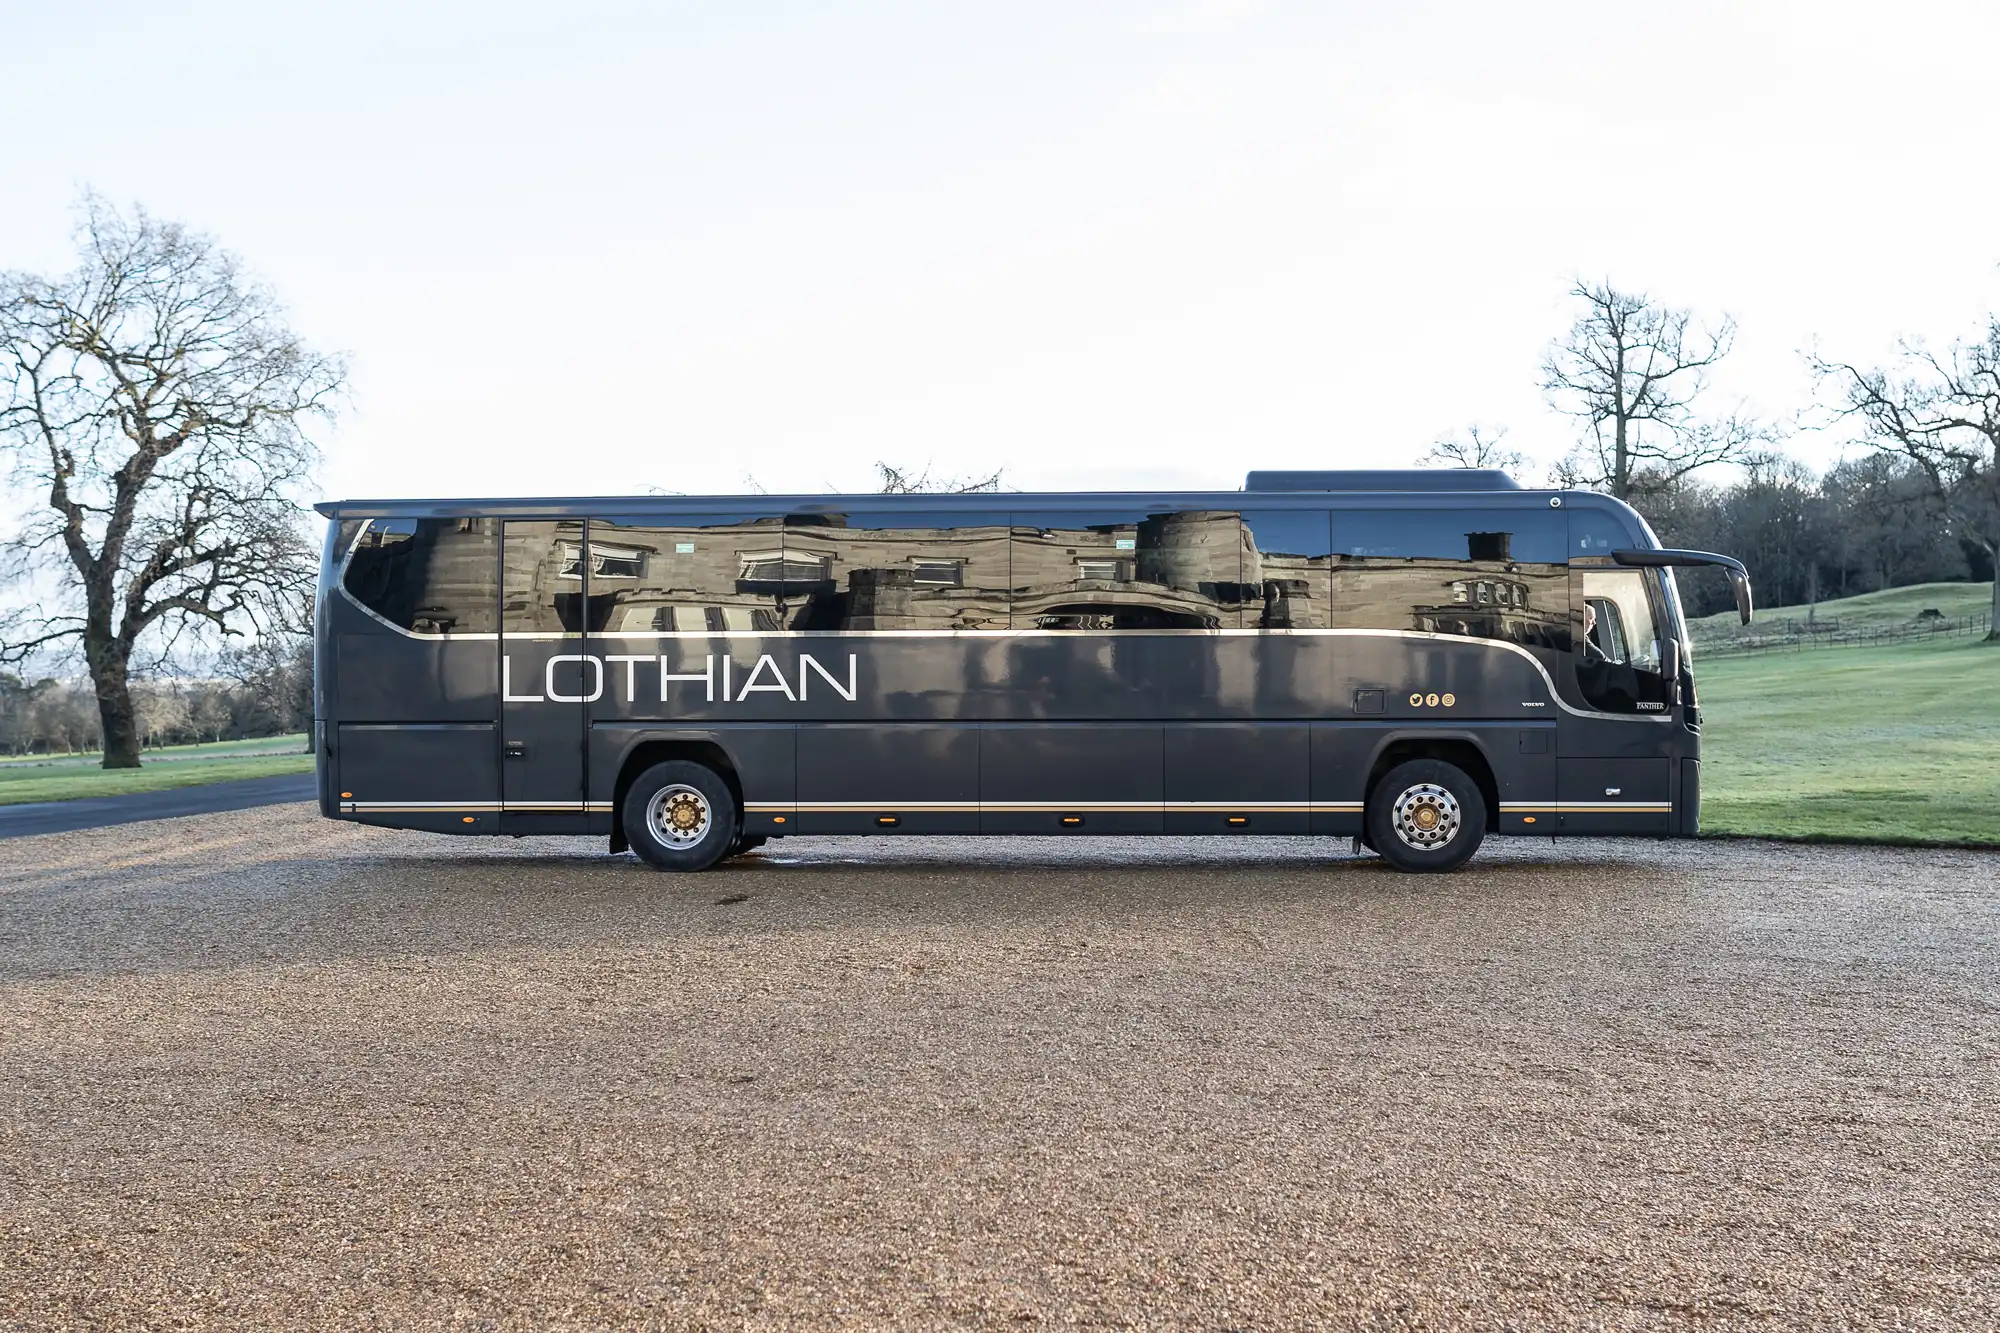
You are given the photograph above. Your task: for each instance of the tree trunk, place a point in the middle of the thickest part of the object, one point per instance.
(1993, 606)
(114, 705)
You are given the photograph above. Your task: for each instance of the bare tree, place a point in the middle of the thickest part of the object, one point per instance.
(156, 399)
(1475, 446)
(273, 676)
(1631, 370)
(160, 711)
(1942, 412)
(913, 481)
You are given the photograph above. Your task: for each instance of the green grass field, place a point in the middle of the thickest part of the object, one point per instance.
(25, 778)
(1891, 608)
(1892, 743)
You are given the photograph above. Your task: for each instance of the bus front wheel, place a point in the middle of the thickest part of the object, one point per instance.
(1426, 815)
(680, 815)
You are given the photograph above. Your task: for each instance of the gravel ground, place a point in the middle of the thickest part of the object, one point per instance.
(264, 1070)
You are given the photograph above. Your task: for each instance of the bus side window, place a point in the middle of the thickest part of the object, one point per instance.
(1094, 570)
(686, 574)
(901, 570)
(1480, 573)
(1286, 559)
(432, 576)
(542, 577)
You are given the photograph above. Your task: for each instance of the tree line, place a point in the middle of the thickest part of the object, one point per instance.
(158, 417)
(252, 695)
(1919, 503)
(1865, 524)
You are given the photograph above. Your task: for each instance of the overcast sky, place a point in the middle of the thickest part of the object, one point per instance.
(602, 248)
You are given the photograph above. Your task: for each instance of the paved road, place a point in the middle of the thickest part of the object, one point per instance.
(264, 1070)
(95, 812)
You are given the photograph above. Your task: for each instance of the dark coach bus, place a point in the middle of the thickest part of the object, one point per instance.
(1412, 659)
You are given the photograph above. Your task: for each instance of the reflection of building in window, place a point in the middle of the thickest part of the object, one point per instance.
(535, 596)
(1183, 571)
(1488, 592)
(693, 620)
(928, 573)
(1285, 588)
(947, 570)
(1517, 602)
(783, 567)
(606, 562)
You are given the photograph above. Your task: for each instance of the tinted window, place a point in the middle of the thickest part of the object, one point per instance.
(428, 576)
(542, 577)
(1527, 535)
(1286, 562)
(1496, 574)
(693, 574)
(1594, 532)
(1618, 660)
(900, 570)
(1103, 570)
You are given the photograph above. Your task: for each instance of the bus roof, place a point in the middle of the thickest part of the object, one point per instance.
(1277, 490)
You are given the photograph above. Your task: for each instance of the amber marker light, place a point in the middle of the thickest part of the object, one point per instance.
(1527, 819)
(777, 819)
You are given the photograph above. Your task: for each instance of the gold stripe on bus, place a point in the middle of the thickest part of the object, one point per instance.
(1030, 807)
(1002, 807)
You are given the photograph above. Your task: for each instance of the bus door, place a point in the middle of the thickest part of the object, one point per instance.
(545, 676)
(1614, 766)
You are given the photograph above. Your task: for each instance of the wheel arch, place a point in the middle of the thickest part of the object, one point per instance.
(1462, 749)
(645, 749)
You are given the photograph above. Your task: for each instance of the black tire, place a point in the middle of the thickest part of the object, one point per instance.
(1434, 790)
(688, 790)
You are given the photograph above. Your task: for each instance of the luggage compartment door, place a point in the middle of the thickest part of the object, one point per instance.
(854, 779)
(443, 776)
(1077, 777)
(1238, 777)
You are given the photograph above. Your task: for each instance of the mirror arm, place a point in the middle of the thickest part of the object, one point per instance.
(1739, 577)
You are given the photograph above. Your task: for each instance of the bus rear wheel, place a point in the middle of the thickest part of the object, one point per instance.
(680, 815)
(1426, 815)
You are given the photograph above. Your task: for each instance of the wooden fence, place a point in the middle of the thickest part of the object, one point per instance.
(1792, 636)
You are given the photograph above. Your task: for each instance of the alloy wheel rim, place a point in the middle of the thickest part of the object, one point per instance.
(679, 816)
(1426, 817)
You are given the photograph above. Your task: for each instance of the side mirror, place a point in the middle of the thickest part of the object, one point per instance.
(1739, 583)
(1670, 660)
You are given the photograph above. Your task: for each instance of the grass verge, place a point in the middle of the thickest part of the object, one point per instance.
(1893, 744)
(69, 778)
